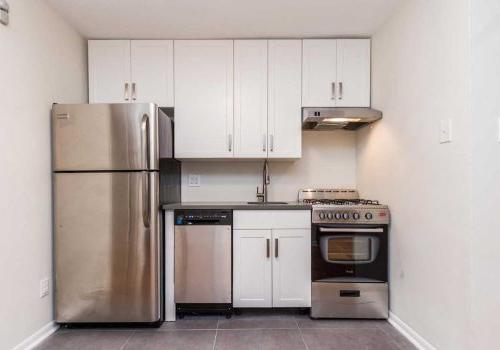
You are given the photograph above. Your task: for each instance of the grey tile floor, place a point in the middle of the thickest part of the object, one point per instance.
(251, 330)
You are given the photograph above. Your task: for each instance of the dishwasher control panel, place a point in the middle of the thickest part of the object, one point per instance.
(203, 217)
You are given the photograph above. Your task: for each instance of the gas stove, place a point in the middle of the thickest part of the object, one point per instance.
(343, 206)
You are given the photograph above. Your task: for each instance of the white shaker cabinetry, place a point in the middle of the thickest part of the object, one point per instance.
(122, 71)
(272, 258)
(336, 73)
(203, 98)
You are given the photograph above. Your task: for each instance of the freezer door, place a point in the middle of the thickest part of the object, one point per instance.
(107, 247)
(120, 136)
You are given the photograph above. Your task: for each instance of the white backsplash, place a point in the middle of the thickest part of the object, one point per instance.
(328, 160)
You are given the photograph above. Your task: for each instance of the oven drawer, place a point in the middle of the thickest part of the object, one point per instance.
(350, 300)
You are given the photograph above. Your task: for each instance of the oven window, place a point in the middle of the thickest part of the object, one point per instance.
(349, 248)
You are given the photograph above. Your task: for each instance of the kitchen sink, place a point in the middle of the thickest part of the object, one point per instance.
(267, 203)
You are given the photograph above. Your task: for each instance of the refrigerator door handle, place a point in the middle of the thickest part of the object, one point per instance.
(146, 200)
(145, 139)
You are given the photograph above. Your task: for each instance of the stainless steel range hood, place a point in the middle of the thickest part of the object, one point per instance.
(332, 118)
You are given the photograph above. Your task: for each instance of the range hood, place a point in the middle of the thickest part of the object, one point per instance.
(332, 118)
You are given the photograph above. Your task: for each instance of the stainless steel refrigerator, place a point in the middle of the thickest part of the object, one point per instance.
(107, 234)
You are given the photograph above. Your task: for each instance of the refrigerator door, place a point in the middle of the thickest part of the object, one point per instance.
(122, 136)
(107, 247)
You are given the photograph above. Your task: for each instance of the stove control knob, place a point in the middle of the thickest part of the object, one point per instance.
(355, 216)
(330, 216)
(369, 216)
(322, 216)
(338, 216)
(345, 216)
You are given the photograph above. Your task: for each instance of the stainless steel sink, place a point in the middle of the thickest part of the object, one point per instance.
(267, 203)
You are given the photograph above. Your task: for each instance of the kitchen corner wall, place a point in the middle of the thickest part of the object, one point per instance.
(485, 230)
(420, 65)
(328, 160)
(42, 60)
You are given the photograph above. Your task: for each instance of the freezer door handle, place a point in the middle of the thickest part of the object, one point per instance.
(145, 139)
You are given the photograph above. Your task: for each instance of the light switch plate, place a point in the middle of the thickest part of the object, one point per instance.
(44, 287)
(194, 180)
(445, 130)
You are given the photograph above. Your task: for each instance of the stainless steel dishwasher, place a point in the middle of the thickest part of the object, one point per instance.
(203, 261)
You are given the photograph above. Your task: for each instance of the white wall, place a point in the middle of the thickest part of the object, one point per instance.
(42, 60)
(328, 160)
(421, 75)
(485, 233)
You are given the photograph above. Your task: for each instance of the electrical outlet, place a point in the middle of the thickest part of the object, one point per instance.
(44, 287)
(194, 180)
(445, 130)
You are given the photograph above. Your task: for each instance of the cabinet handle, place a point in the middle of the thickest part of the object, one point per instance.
(271, 141)
(341, 90)
(126, 92)
(268, 248)
(333, 91)
(134, 97)
(276, 249)
(230, 143)
(264, 139)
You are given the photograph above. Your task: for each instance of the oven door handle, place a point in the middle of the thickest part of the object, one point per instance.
(348, 229)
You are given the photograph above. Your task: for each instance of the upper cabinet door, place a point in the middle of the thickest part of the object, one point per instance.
(284, 98)
(353, 72)
(152, 72)
(203, 98)
(109, 71)
(319, 73)
(250, 98)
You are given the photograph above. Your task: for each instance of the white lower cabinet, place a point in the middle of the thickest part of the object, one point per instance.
(291, 267)
(272, 266)
(252, 284)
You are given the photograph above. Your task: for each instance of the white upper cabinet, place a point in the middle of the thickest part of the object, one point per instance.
(284, 98)
(353, 72)
(131, 71)
(319, 71)
(250, 98)
(109, 71)
(152, 71)
(203, 98)
(336, 73)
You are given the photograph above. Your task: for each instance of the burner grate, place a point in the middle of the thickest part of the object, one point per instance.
(342, 201)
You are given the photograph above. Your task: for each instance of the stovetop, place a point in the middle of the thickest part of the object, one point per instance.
(343, 206)
(340, 201)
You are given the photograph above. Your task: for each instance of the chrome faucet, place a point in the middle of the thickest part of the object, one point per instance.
(266, 180)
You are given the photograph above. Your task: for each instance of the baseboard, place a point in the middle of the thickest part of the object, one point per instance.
(37, 337)
(410, 334)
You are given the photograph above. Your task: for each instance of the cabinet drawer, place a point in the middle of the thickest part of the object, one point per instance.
(271, 219)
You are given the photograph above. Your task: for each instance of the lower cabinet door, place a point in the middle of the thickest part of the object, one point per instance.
(252, 286)
(291, 267)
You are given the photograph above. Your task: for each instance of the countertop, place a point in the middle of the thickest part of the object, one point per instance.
(236, 206)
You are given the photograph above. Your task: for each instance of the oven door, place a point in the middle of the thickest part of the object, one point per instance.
(343, 246)
(349, 253)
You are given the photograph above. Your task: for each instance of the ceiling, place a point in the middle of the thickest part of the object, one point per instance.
(178, 19)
